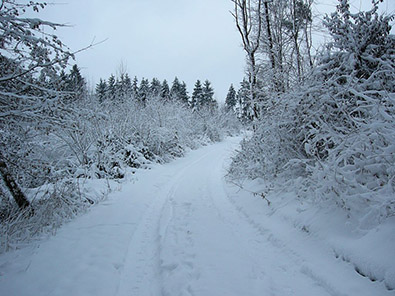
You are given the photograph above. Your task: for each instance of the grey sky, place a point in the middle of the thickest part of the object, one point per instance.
(191, 39)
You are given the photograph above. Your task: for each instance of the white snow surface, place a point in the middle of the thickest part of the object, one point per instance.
(180, 229)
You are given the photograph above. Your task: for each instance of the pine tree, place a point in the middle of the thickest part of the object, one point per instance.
(165, 91)
(135, 87)
(101, 90)
(245, 111)
(230, 101)
(127, 85)
(111, 87)
(62, 81)
(155, 87)
(197, 95)
(184, 93)
(74, 84)
(208, 100)
(77, 82)
(143, 91)
(175, 90)
(123, 86)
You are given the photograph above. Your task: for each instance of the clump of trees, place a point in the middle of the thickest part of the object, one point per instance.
(327, 128)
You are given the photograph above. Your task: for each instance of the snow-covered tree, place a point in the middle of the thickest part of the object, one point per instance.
(244, 109)
(143, 91)
(135, 87)
(123, 86)
(336, 130)
(26, 51)
(155, 87)
(111, 87)
(197, 95)
(230, 100)
(165, 90)
(175, 89)
(184, 98)
(101, 90)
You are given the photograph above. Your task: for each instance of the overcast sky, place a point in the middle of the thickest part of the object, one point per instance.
(190, 39)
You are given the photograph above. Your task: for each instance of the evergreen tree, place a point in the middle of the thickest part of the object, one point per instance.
(119, 87)
(123, 86)
(62, 80)
(183, 95)
(101, 90)
(208, 95)
(135, 87)
(111, 87)
(76, 81)
(245, 111)
(73, 83)
(127, 85)
(165, 91)
(143, 91)
(155, 87)
(197, 95)
(230, 101)
(175, 90)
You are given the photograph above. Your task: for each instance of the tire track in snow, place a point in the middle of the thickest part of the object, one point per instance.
(259, 239)
(142, 269)
(177, 254)
(195, 240)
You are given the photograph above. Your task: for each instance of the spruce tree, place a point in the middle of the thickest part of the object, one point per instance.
(144, 90)
(111, 87)
(155, 87)
(184, 98)
(135, 87)
(76, 81)
(126, 85)
(165, 91)
(175, 90)
(197, 95)
(208, 95)
(74, 84)
(101, 90)
(244, 101)
(230, 101)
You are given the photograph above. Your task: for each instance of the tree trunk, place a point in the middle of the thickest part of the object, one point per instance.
(269, 35)
(12, 185)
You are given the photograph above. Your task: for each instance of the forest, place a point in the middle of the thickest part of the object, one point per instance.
(321, 121)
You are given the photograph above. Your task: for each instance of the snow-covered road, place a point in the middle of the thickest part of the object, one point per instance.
(178, 230)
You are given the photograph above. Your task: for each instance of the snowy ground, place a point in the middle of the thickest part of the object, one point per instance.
(179, 229)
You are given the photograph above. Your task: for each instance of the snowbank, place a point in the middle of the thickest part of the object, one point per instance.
(370, 251)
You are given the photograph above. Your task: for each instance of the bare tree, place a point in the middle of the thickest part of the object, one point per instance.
(248, 19)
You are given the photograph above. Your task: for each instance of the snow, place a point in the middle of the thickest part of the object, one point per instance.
(180, 229)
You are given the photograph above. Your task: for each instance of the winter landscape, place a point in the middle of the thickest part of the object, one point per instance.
(154, 186)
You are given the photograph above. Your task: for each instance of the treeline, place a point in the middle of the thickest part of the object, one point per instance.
(324, 123)
(123, 87)
(57, 136)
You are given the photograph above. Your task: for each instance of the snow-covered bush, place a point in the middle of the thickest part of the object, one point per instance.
(337, 130)
(51, 206)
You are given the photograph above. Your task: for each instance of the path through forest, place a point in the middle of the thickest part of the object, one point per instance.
(178, 230)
